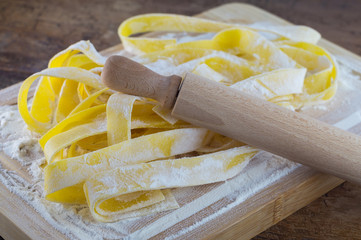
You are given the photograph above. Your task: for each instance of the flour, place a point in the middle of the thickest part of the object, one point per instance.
(254, 175)
(20, 144)
(168, 66)
(186, 37)
(349, 80)
(76, 222)
(349, 75)
(16, 142)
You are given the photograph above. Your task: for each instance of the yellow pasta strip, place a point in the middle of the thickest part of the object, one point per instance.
(118, 130)
(67, 96)
(48, 90)
(87, 102)
(246, 41)
(219, 142)
(321, 84)
(105, 186)
(143, 116)
(274, 83)
(233, 71)
(64, 174)
(295, 33)
(93, 143)
(68, 100)
(72, 150)
(66, 138)
(109, 214)
(44, 101)
(165, 114)
(132, 201)
(207, 72)
(119, 109)
(83, 61)
(161, 22)
(177, 56)
(72, 73)
(82, 117)
(82, 92)
(82, 46)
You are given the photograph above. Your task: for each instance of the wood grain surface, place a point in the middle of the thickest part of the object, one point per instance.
(31, 32)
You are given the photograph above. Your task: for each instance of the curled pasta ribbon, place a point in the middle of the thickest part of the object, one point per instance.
(178, 23)
(72, 73)
(161, 22)
(103, 190)
(62, 175)
(61, 67)
(121, 154)
(320, 85)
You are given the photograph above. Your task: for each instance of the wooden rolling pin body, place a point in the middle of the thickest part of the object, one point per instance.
(243, 117)
(267, 126)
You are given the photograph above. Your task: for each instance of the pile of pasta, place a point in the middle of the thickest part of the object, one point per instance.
(122, 154)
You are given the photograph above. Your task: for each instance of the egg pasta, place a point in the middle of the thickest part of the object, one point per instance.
(122, 154)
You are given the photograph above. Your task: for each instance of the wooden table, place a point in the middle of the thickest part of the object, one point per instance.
(31, 32)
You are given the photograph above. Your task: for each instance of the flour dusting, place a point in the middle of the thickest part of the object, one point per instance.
(76, 222)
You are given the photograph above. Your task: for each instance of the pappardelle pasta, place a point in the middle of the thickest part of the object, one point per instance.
(122, 154)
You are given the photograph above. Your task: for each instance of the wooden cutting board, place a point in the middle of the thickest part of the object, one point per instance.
(19, 221)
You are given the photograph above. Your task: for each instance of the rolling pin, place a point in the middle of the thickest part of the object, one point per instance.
(235, 114)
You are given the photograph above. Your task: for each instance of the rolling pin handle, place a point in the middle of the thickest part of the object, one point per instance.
(127, 76)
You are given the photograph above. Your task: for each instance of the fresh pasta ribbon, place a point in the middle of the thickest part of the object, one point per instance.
(42, 109)
(76, 74)
(178, 23)
(161, 22)
(122, 154)
(67, 173)
(119, 118)
(321, 83)
(291, 32)
(105, 188)
(118, 130)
